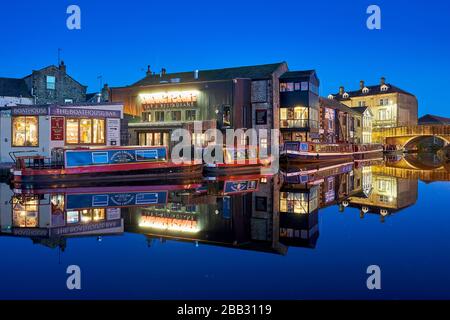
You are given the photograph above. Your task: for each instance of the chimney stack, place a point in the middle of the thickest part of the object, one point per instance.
(382, 81)
(105, 93)
(163, 71)
(341, 90)
(62, 67)
(149, 71)
(361, 84)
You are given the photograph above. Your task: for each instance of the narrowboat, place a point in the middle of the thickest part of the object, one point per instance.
(311, 152)
(100, 164)
(237, 161)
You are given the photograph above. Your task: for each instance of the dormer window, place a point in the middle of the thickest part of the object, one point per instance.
(365, 90)
(384, 88)
(331, 97)
(345, 95)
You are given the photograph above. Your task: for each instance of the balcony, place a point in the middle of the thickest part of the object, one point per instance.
(384, 123)
(298, 124)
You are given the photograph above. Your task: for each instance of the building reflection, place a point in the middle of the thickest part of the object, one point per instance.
(46, 218)
(382, 194)
(253, 212)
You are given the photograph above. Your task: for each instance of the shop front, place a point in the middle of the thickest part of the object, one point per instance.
(28, 130)
(166, 108)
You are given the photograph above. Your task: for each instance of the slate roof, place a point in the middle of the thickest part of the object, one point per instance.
(335, 104)
(297, 74)
(263, 71)
(373, 90)
(432, 119)
(12, 87)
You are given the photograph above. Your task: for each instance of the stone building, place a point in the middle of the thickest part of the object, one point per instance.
(52, 85)
(230, 98)
(341, 124)
(390, 105)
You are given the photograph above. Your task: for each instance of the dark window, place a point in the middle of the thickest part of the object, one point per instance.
(176, 115)
(190, 115)
(261, 203)
(226, 120)
(159, 116)
(261, 116)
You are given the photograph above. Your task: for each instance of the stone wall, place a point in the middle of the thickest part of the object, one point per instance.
(65, 86)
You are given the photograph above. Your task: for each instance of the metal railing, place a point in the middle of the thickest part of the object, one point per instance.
(299, 123)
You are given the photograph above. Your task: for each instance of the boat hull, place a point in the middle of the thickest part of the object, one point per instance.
(67, 177)
(232, 169)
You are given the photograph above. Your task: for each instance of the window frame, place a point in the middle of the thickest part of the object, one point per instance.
(12, 132)
(188, 112)
(79, 132)
(47, 82)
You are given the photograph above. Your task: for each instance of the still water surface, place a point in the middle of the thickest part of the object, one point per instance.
(294, 235)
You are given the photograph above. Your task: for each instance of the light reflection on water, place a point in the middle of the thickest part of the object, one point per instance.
(307, 233)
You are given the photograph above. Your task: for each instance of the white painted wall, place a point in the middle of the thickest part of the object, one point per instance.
(5, 138)
(13, 101)
(45, 144)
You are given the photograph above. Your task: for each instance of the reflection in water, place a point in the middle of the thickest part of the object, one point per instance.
(260, 213)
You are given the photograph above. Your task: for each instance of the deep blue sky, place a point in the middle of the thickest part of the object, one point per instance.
(119, 39)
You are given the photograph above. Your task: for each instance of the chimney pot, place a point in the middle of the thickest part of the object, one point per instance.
(62, 66)
(361, 84)
(149, 71)
(382, 81)
(341, 90)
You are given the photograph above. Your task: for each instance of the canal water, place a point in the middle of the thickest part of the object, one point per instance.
(303, 233)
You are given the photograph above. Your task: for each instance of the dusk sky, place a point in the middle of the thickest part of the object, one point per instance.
(118, 39)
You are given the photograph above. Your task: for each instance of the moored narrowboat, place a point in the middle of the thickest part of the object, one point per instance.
(237, 161)
(310, 152)
(100, 164)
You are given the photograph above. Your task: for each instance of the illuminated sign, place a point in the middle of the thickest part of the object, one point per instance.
(29, 111)
(171, 222)
(79, 112)
(231, 187)
(169, 99)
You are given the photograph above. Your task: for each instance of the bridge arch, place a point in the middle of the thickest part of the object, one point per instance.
(412, 139)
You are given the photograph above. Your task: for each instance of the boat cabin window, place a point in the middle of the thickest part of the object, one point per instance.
(25, 131)
(25, 213)
(85, 131)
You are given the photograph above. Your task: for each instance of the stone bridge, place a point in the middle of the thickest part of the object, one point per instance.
(410, 167)
(406, 136)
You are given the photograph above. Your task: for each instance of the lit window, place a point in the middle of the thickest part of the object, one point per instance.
(72, 217)
(25, 213)
(68, 101)
(304, 86)
(51, 82)
(85, 131)
(263, 143)
(25, 131)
